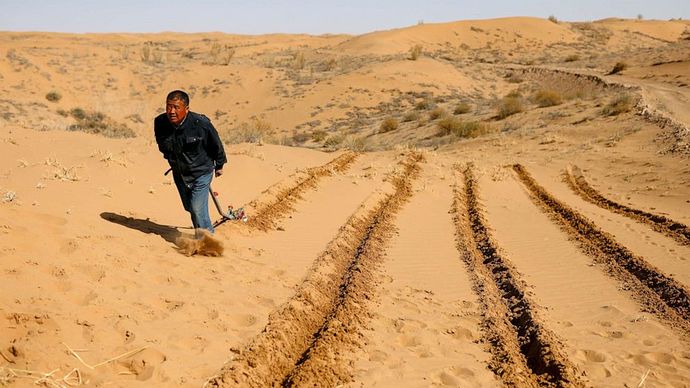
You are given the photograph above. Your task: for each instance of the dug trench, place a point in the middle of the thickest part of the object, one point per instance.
(305, 339)
(524, 352)
(656, 292)
(270, 210)
(673, 229)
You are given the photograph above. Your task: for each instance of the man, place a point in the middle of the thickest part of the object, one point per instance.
(194, 151)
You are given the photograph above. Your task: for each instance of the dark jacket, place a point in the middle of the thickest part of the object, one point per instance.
(193, 149)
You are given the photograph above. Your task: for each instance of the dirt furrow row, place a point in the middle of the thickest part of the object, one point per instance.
(524, 352)
(304, 339)
(269, 212)
(657, 292)
(673, 229)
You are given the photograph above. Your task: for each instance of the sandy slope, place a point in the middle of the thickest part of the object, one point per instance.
(373, 274)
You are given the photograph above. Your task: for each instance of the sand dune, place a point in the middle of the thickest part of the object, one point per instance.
(391, 241)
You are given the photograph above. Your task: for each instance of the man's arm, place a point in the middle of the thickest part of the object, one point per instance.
(215, 149)
(163, 137)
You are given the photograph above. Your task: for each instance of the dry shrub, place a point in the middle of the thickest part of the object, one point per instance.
(319, 135)
(461, 108)
(545, 98)
(618, 105)
(410, 116)
(415, 52)
(53, 96)
(572, 58)
(437, 113)
(509, 105)
(255, 132)
(462, 129)
(334, 140)
(553, 19)
(389, 124)
(618, 67)
(206, 245)
(298, 61)
(514, 78)
(357, 144)
(98, 123)
(300, 137)
(424, 104)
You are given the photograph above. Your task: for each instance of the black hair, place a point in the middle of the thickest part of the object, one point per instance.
(178, 95)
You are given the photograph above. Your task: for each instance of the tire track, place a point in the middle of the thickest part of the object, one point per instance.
(525, 353)
(656, 292)
(268, 213)
(304, 340)
(673, 229)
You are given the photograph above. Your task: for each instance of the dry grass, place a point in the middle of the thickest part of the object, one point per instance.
(98, 123)
(572, 58)
(53, 96)
(545, 98)
(389, 124)
(415, 52)
(437, 113)
(461, 108)
(509, 106)
(410, 116)
(620, 104)
(319, 135)
(255, 132)
(618, 67)
(462, 129)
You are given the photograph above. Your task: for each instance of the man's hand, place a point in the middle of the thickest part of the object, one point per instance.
(219, 172)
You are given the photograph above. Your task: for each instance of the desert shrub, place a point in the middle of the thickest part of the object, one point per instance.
(462, 129)
(415, 52)
(545, 98)
(298, 61)
(410, 116)
(53, 96)
(424, 104)
(553, 19)
(255, 132)
(461, 108)
(300, 137)
(334, 140)
(618, 67)
(98, 123)
(572, 58)
(389, 124)
(62, 112)
(618, 105)
(357, 144)
(514, 78)
(437, 113)
(319, 135)
(146, 52)
(508, 106)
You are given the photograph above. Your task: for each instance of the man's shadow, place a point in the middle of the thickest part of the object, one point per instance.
(167, 232)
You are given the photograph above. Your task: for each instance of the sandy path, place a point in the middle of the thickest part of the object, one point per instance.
(605, 332)
(426, 324)
(659, 250)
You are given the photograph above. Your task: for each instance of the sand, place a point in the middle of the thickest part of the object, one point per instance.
(398, 257)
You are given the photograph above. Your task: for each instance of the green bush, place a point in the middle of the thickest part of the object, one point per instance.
(389, 124)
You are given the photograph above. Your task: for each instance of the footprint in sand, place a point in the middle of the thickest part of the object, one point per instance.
(243, 320)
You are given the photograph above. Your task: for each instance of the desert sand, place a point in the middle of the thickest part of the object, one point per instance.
(479, 203)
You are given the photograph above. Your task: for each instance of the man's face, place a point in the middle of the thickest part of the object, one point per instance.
(176, 110)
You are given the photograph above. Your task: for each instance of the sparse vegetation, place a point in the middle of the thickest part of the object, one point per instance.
(618, 105)
(221, 54)
(461, 108)
(389, 124)
(298, 61)
(255, 132)
(514, 78)
(545, 98)
(98, 123)
(618, 67)
(423, 104)
(319, 135)
(509, 105)
(572, 58)
(553, 19)
(438, 113)
(334, 140)
(53, 96)
(415, 52)
(410, 116)
(462, 129)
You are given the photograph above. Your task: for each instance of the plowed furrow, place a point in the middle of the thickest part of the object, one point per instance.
(524, 352)
(268, 213)
(657, 292)
(304, 340)
(675, 230)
